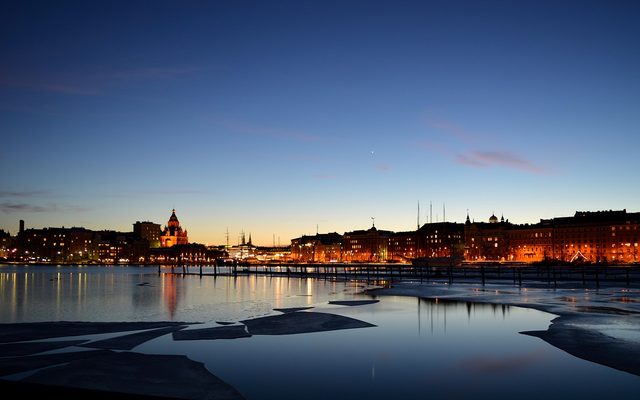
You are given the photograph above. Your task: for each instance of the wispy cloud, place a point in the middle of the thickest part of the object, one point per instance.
(23, 194)
(158, 192)
(451, 129)
(484, 159)
(43, 84)
(88, 83)
(151, 73)
(10, 207)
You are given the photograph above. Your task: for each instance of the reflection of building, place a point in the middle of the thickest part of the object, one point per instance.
(149, 231)
(170, 294)
(173, 233)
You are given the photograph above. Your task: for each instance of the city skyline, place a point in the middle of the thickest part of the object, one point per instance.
(286, 117)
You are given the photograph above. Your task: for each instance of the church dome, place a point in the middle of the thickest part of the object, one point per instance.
(173, 220)
(493, 219)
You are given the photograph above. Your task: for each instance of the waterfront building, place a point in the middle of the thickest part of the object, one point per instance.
(244, 250)
(121, 247)
(440, 240)
(5, 244)
(321, 247)
(273, 253)
(592, 237)
(601, 237)
(530, 243)
(173, 233)
(56, 244)
(149, 231)
(486, 241)
(403, 246)
(371, 245)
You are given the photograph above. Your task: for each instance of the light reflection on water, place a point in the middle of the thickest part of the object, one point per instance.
(418, 349)
(46, 293)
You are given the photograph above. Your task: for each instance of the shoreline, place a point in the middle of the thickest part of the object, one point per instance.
(596, 325)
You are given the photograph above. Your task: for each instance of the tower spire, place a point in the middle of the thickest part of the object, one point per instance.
(418, 226)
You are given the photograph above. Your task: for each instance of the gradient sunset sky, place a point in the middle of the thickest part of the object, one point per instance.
(275, 117)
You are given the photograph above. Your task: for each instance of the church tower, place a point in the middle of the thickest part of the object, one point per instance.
(173, 233)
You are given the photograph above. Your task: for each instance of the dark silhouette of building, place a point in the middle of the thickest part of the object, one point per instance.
(56, 245)
(149, 231)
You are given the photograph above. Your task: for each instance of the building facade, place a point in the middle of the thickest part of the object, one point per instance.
(371, 245)
(593, 237)
(149, 231)
(322, 247)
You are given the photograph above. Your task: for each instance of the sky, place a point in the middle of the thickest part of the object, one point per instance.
(280, 118)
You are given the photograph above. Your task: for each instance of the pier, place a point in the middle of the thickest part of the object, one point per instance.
(468, 273)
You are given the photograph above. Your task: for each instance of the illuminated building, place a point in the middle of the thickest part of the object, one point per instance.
(601, 237)
(173, 233)
(273, 253)
(121, 247)
(243, 250)
(56, 244)
(486, 241)
(594, 237)
(371, 245)
(5, 244)
(322, 247)
(149, 231)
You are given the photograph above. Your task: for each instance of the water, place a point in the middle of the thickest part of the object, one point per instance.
(417, 349)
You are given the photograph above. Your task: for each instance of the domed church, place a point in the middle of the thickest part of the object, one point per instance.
(173, 233)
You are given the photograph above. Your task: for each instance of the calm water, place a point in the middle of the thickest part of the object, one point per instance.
(418, 348)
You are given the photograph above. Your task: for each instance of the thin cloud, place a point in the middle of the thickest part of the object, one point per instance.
(10, 207)
(153, 73)
(23, 194)
(451, 129)
(55, 85)
(162, 192)
(383, 167)
(484, 159)
(89, 83)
